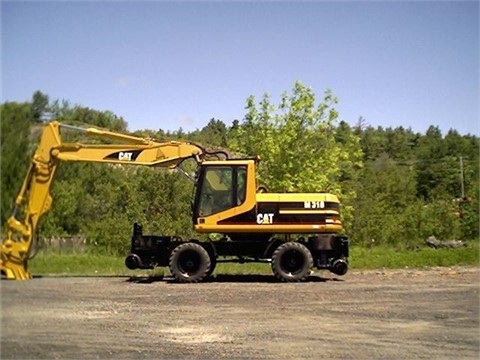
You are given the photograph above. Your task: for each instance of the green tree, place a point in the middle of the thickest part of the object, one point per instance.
(430, 165)
(434, 165)
(386, 189)
(298, 144)
(39, 106)
(373, 142)
(60, 109)
(15, 152)
(213, 134)
(81, 115)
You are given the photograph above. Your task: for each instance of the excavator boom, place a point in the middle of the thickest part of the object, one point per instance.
(34, 198)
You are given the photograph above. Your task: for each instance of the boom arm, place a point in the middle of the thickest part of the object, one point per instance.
(34, 198)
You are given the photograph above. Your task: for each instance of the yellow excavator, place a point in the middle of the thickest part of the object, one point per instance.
(293, 231)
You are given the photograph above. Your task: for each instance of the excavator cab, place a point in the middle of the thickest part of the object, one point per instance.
(223, 190)
(220, 188)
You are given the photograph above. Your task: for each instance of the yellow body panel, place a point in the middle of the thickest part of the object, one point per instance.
(270, 228)
(312, 204)
(292, 197)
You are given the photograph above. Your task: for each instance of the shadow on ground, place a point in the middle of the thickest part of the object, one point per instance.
(226, 278)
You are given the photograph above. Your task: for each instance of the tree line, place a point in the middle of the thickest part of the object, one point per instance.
(397, 187)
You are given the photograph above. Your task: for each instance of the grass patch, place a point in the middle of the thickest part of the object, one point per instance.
(243, 269)
(387, 257)
(50, 263)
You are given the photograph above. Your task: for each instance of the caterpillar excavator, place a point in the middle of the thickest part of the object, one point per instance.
(294, 232)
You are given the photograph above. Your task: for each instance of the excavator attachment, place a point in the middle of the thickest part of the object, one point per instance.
(34, 198)
(15, 250)
(14, 263)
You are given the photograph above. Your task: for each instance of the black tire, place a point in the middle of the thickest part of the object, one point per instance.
(189, 263)
(292, 262)
(213, 264)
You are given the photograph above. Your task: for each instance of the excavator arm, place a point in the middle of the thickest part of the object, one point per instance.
(34, 198)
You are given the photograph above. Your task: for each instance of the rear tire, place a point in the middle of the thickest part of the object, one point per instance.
(189, 263)
(292, 262)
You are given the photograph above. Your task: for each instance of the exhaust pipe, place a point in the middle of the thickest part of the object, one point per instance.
(339, 267)
(133, 261)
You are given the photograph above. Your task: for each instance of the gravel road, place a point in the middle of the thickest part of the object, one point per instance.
(385, 314)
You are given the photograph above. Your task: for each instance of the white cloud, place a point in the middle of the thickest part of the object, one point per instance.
(185, 122)
(129, 81)
(123, 82)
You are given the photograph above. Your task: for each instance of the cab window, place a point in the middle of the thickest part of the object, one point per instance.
(217, 191)
(222, 188)
(241, 184)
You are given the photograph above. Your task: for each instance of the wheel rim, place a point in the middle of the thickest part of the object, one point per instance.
(292, 262)
(189, 262)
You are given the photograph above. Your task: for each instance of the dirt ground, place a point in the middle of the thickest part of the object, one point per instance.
(402, 314)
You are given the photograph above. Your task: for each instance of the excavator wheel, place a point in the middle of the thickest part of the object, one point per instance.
(189, 263)
(213, 265)
(292, 262)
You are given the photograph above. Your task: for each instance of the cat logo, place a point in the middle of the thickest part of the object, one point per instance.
(125, 156)
(265, 219)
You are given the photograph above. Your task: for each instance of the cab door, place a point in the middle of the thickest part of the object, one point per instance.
(222, 191)
(220, 188)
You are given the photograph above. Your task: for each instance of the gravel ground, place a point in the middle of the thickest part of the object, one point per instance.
(387, 314)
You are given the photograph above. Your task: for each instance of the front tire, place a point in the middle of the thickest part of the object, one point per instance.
(213, 264)
(292, 262)
(189, 263)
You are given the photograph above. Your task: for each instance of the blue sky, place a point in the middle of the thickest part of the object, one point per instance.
(165, 65)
